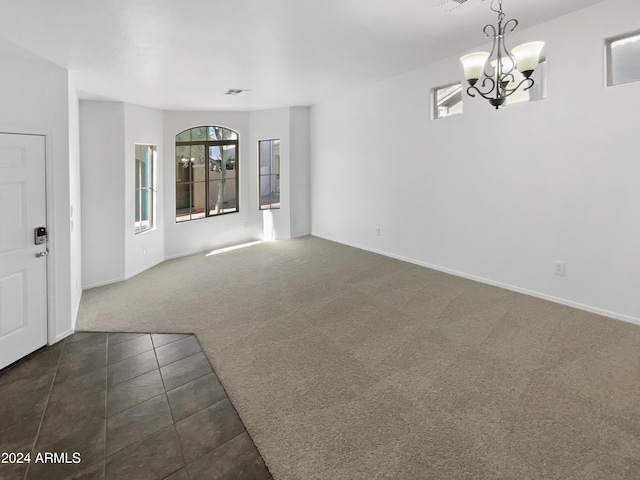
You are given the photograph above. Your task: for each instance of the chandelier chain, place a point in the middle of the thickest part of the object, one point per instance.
(500, 12)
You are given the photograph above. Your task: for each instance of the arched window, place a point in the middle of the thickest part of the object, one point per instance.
(206, 173)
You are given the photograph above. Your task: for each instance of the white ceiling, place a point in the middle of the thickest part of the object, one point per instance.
(185, 54)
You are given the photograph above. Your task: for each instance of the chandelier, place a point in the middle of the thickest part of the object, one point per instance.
(507, 69)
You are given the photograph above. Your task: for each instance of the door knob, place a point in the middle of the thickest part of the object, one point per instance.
(44, 253)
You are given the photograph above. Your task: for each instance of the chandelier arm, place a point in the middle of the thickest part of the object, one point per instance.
(484, 95)
(488, 92)
(509, 77)
(490, 35)
(504, 28)
(511, 91)
(506, 52)
(488, 69)
(491, 81)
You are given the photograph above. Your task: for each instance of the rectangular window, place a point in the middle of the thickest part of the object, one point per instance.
(269, 164)
(145, 200)
(447, 101)
(623, 59)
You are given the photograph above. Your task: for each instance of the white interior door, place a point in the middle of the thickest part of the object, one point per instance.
(23, 275)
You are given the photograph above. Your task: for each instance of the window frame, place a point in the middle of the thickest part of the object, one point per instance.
(138, 190)
(434, 101)
(208, 143)
(269, 206)
(608, 77)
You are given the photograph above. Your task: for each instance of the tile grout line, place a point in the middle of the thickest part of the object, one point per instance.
(124, 341)
(173, 420)
(228, 441)
(106, 402)
(158, 363)
(142, 438)
(44, 410)
(134, 406)
(226, 397)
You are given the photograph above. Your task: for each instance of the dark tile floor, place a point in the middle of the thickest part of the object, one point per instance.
(132, 405)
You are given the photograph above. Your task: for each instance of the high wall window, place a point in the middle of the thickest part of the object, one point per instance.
(447, 101)
(145, 201)
(206, 173)
(623, 59)
(269, 164)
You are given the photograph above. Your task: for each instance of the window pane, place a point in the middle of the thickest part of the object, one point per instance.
(198, 205)
(215, 162)
(183, 164)
(624, 59)
(145, 197)
(198, 133)
(138, 167)
(197, 153)
(229, 157)
(230, 196)
(184, 136)
(222, 196)
(275, 158)
(214, 191)
(229, 134)
(275, 191)
(265, 191)
(220, 133)
(183, 200)
(265, 157)
(138, 213)
(448, 101)
(145, 167)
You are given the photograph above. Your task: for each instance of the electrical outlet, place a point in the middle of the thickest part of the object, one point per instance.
(558, 268)
(378, 232)
(144, 250)
(246, 224)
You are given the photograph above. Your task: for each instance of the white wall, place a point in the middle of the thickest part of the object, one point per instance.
(299, 171)
(34, 99)
(496, 195)
(209, 233)
(142, 251)
(102, 162)
(75, 201)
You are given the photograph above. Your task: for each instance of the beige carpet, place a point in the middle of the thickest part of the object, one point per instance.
(345, 364)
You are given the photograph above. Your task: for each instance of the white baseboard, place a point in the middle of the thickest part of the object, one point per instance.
(76, 310)
(157, 262)
(64, 335)
(514, 288)
(102, 284)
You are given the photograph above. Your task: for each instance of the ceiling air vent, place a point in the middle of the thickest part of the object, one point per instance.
(449, 5)
(239, 91)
